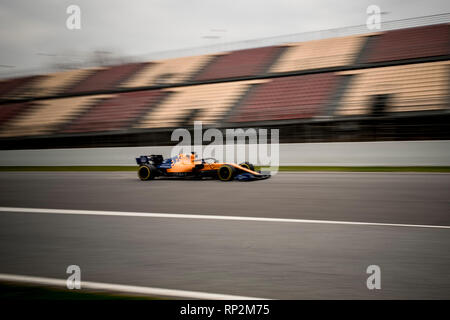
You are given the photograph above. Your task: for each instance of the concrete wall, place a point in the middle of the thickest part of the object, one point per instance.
(395, 153)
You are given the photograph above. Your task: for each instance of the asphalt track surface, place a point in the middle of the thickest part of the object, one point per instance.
(246, 258)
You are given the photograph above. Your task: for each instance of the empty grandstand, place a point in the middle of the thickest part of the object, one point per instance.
(319, 54)
(385, 85)
(12, 88)
(116, 112)
(242, 63)
(208, 103)
(428, 41)
(106, 78)
(45, 116)
(412, 87)
(295, 97)
(169, 71)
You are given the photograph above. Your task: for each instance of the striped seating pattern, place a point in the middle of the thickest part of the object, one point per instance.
(414, 87)
(410, 43)
(106, 78)
(115, 113)
(15, 88)
(9, 111)
(169, 71)
(284, 98)
(319, 54)
(55, 83)
(366, 88)
(45, 116)
(212, 100)
(240, 63)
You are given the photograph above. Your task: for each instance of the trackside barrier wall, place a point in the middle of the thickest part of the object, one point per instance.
(386, 153)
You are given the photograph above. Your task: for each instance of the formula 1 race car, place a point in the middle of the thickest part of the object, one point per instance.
(185, 166)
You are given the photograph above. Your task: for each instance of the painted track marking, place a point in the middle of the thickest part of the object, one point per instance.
(150, 291)
(211, 217)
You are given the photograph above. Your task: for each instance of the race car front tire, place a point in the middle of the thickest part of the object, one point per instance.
(248, 165)
(147, 172)
(226, 172)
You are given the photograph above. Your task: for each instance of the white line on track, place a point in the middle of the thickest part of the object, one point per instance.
(119, 288)
(210, 217)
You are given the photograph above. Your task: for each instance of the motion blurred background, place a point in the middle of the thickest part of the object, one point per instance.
(332, 84)
(341, 93)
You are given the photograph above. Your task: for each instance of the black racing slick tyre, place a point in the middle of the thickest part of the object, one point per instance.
(226, 172)
(147, 172)
(248, 165)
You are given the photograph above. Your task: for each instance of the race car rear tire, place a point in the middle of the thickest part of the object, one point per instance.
(147, 172)
(248, 165)
(226, 172)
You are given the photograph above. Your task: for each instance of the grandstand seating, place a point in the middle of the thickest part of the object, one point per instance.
(105, 99)
(169, 71)
(284, 98)
(209, 101)
(9, 111)
(249, 62)
(319, 54)
(45, 116)
(55, 83)
(106, 78)
(410, 43)
(14, 88)
(413, 87)
(115, 113)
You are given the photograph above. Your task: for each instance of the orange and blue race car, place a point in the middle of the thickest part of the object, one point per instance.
(187, 166)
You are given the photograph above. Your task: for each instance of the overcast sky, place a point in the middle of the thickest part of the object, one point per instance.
(34, 33)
